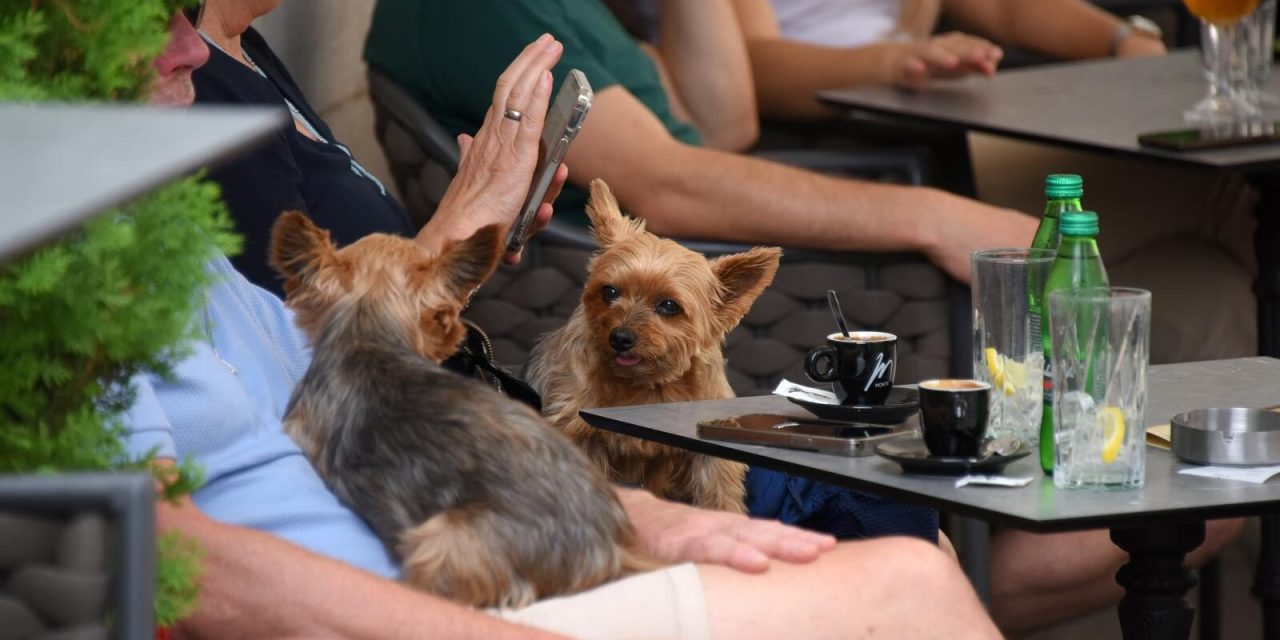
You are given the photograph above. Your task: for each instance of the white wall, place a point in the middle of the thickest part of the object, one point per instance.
(321, 41)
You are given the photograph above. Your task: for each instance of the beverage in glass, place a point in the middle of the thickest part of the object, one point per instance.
(1226, 61)
(1008, 352)
(1101, 341)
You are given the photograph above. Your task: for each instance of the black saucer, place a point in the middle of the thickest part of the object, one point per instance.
(901, 403)
(915, 458)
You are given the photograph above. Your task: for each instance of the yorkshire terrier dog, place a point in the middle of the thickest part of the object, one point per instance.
(650, 329)
(481, 499)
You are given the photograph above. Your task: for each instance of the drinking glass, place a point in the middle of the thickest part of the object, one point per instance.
(1008, 351)
(1226, 61)
(1101, 340)
(1260, 31)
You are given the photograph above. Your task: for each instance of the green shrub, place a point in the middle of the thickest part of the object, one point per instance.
(114, 298)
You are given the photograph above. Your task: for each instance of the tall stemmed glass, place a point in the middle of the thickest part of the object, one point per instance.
(1226, 62)
(1261, 26)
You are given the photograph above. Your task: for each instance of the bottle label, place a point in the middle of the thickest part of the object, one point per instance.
(1048, 382)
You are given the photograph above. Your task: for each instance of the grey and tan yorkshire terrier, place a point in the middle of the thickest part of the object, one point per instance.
(482, 501)
(651, 326)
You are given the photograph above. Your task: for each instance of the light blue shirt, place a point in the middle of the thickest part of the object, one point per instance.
(230, 422)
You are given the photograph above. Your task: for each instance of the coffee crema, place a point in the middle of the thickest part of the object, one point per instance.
(863, 336)
(954, 384)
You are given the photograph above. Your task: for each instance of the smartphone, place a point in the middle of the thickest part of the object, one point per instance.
(565, 117)
(824, 436)
(1213, 137)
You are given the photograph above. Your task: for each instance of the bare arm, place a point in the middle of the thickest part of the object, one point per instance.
(1061, 28)
(685, 191)
(254, 585)
(702, 53)
(680, 533)
(788, 73)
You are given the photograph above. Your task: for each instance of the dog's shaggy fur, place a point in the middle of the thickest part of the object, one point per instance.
(650, 328)
(479, 497)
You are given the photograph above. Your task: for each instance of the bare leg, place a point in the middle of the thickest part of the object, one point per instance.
(1039, 580)
(885, 588)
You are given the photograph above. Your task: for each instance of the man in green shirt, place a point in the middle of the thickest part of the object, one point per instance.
(665, 124)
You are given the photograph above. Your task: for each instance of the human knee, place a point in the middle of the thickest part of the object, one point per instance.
(921, 566)
(1217, 534)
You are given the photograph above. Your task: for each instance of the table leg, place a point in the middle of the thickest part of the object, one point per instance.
(1266, 583)
(1156, 581)
(1267, 247)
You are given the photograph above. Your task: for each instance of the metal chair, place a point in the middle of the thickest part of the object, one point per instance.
(78, 551)
(896, 292)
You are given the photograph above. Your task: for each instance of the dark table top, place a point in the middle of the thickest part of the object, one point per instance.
(1167, 496)
(1100, 105)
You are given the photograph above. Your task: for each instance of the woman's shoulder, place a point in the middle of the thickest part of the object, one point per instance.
(224, 80)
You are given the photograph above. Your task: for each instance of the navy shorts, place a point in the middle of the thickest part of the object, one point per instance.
(843, 513)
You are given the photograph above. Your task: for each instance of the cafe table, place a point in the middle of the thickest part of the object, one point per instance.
(1098, 106)
(1157, 524)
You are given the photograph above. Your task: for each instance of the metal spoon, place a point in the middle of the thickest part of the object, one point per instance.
(834, 303)
(1002, 446)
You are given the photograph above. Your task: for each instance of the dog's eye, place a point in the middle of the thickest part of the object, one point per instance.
(609, 294)
(668, 308)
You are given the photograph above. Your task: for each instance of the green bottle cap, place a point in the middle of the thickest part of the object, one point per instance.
(1060, 186)
(1078, 223)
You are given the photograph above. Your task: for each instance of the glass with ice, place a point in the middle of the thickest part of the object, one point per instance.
(1007, 349)
(1101, 340)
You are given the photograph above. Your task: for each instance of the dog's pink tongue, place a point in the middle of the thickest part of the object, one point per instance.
(628, 360)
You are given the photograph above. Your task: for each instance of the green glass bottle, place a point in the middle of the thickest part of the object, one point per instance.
(1078, 266)
(1062, 193)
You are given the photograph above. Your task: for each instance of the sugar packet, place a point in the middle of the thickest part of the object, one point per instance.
(992, 481)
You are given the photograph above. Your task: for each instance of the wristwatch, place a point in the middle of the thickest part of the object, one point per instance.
(1140, 25)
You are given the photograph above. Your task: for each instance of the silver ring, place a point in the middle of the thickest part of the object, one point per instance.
(512, 114)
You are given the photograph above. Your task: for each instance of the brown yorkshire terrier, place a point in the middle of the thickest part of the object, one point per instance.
(482, 500)
(650, 328)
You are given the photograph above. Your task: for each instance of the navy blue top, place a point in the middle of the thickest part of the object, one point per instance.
(291, 171)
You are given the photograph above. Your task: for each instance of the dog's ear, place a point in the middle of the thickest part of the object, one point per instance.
(470, 262)
(743, 277)
(299, 249)
(608, 225)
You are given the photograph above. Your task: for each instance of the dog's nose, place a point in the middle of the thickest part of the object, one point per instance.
(622, 340)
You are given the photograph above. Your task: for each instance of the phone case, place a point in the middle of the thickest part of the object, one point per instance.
(823, 436)
(568, 111)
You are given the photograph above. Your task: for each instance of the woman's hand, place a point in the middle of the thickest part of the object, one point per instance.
(680, 533)
(950, 55)
(497, 165)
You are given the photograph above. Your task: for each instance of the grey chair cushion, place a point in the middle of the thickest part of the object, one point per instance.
(522, 303)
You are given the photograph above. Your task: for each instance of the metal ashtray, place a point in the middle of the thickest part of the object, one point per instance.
(1232, 436)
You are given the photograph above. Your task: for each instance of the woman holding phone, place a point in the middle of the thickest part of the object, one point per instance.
(305, 168)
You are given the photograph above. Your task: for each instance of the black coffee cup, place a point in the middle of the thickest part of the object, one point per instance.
(954, 415)
(861, 365)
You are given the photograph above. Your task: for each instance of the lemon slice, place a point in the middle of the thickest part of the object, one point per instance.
(1015, 376)
(995, 366)
(1111, 419)
(1005, 374)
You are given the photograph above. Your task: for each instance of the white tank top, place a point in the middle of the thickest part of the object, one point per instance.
(837, 23)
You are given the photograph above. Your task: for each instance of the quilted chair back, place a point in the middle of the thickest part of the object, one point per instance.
(896, 292)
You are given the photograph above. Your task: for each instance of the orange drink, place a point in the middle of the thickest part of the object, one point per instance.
(1221, 11)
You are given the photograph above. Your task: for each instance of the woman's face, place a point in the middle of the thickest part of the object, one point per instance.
(248, 8)
(185, 53)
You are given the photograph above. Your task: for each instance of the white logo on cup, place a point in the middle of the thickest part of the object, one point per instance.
(878, 371)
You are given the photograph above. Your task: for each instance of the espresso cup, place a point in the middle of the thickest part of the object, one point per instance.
(954, 415)
(860, 365)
